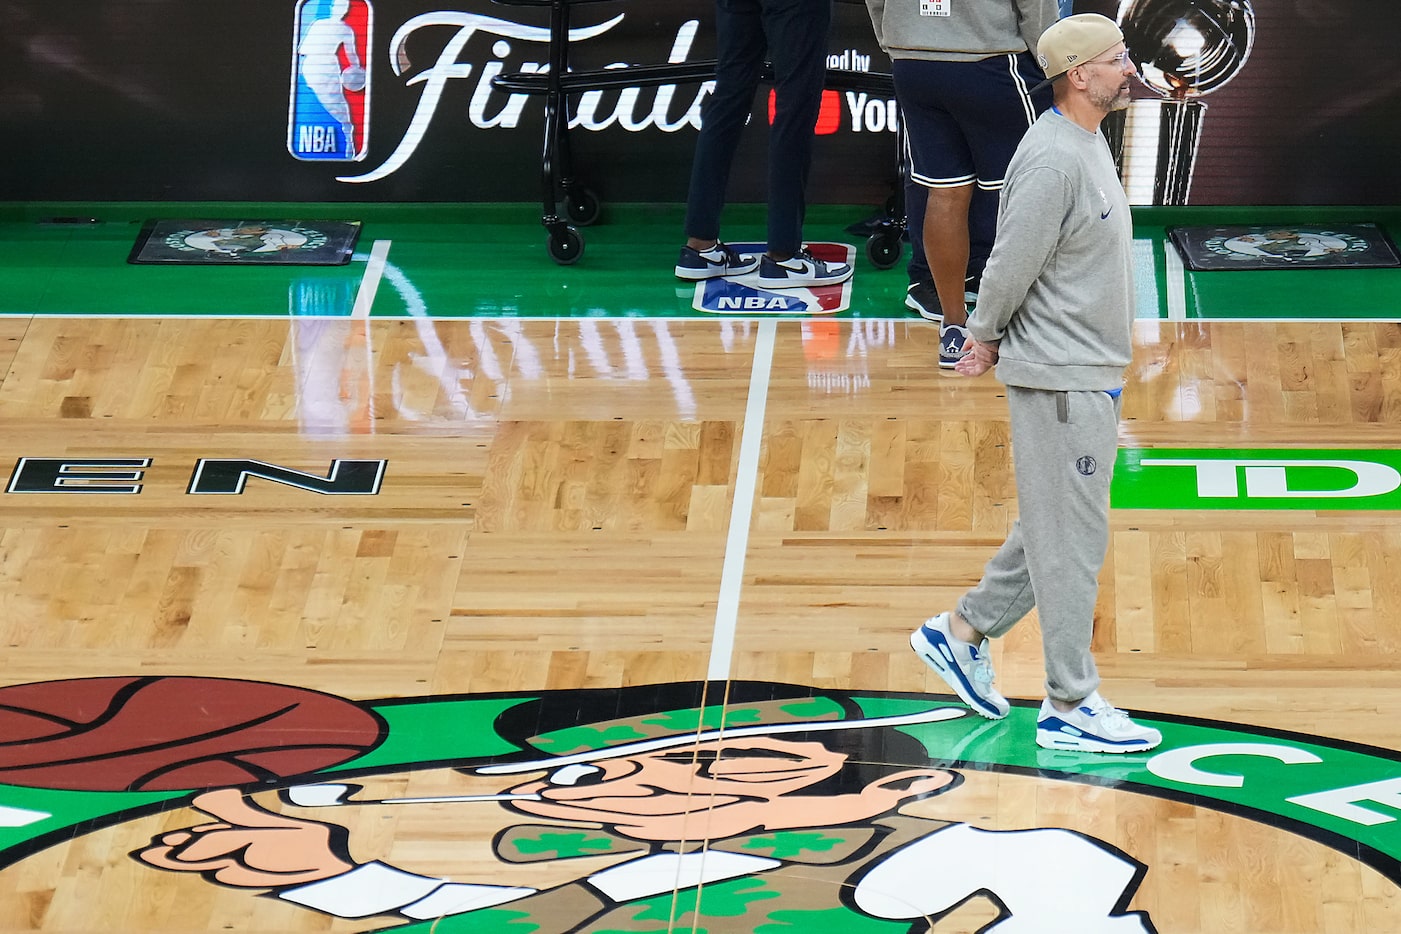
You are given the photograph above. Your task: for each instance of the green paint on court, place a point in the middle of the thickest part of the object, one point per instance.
(490, 260)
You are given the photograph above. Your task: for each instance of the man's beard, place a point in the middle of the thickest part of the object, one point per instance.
(1118, 99)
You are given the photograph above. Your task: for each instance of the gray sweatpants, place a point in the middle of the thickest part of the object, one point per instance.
(1063, 450)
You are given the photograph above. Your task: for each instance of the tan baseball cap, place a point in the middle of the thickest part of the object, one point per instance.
(1073, 41)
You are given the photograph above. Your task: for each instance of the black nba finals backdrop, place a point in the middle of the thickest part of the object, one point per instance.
(172, 100)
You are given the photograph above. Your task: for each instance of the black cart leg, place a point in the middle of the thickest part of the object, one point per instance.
(564, 243)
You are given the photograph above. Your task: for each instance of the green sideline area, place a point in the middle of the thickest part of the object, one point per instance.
(474, 260)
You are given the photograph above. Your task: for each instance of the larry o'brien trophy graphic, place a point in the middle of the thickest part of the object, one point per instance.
(1185, 49)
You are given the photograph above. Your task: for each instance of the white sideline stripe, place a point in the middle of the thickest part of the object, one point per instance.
(369, 283)
(1175, 280)
(722, 643)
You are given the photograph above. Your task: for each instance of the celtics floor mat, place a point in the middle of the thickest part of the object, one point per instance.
(246, 242)
(1284, 246)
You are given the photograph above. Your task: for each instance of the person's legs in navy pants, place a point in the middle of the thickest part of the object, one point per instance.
(794, 35)
(739, 50)
(797, 32)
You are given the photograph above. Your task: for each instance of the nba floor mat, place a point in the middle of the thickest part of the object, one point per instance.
(743, 295)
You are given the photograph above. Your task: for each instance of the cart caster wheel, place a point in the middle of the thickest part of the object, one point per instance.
(883, 249)
(582, 207)
(566, 246)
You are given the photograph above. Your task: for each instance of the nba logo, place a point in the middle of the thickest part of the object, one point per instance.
(329, 116)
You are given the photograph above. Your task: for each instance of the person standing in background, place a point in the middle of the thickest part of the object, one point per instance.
(793, 35)
(963, 77)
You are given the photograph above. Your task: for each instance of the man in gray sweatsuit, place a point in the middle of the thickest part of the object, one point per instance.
(1054, 315)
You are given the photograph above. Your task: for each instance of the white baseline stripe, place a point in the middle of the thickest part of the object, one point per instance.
(722, 645)
(369, 283)
(1175, 281)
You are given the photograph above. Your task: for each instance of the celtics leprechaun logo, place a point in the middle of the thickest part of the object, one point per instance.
(725, 807)
(248, 238)
(1287, 244)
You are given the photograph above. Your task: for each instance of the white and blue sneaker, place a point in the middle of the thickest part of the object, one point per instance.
(720, 260)
(1093, 726)
(800, 271)
(953, 344)
(967, 668)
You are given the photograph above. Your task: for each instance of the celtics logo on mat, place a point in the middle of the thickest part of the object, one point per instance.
(1291, 246)
(1289, 243)
(775, 807)
(245, 238)
(246, 242)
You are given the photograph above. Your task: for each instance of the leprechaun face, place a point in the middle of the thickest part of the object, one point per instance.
(709, 790)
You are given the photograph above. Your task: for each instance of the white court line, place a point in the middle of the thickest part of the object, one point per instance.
(369, 283)
(1175, 280)
(746, 478)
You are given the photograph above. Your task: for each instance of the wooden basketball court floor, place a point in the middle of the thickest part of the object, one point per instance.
(588, 545)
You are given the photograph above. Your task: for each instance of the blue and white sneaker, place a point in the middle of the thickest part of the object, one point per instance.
(720, 260)
(953, 344)
(801, 271)
(967, 668)
(1093, 726)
